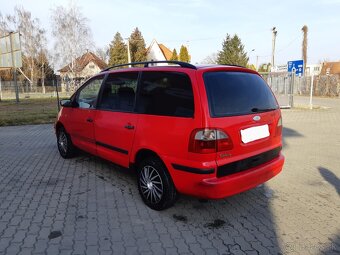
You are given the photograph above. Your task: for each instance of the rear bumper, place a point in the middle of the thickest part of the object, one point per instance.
(210, 187)
(215, 188)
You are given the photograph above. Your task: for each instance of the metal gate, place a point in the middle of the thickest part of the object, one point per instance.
(282, 85)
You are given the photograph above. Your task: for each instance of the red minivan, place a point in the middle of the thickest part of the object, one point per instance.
(207, 131)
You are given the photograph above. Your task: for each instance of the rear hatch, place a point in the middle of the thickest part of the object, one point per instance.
(244, 110)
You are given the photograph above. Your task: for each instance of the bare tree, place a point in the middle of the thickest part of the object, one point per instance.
(3, 25)
(211, 59)
(72, 36)
(103, 53)
(32, 37)
(304, 46)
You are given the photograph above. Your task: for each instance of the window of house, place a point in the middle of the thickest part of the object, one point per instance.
(119, 92)
(166, 93)
(91, 66)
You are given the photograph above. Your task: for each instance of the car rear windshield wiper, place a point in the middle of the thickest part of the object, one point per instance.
(263, 109)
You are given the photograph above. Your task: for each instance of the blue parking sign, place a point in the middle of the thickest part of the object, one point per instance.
(295, 66)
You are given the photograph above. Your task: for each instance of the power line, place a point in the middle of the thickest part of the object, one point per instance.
(287, 45)
(283, 48)
(190, 40)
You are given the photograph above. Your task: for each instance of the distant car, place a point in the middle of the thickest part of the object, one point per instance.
(207, 131)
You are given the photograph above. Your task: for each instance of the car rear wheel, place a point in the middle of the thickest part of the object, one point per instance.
(65, 146)
(155, 184)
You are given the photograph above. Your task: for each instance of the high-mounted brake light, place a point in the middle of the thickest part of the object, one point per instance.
(209, 141)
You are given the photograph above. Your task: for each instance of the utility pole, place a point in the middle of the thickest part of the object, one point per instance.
(273, 45)
(257, 63)
(14, 68)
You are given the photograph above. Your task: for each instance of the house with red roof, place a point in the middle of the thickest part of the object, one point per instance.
(330, 68)
(158, 52)
(82, 68)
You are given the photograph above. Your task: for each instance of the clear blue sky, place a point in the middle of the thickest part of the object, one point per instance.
(202, 25)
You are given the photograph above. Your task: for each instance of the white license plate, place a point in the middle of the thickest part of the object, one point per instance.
(254, 133)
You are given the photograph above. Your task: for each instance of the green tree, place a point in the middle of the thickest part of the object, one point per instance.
(184, 54)
(251, 66)
(118, 51)
(232, 52)
(264, 67)
(174, 55)
(137, 46)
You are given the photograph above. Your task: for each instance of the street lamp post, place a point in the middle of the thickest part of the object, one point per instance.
(128, 50)
(273, 45)
(251, 52)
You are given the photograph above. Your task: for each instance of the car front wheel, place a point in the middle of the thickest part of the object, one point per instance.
(65, 146)
(155, 184)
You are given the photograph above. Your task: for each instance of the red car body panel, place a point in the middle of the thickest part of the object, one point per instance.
(111, 131)
(80, 127)
(168, 137)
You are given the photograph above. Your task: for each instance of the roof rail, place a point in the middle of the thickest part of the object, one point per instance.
(235, 65)
(147, 63)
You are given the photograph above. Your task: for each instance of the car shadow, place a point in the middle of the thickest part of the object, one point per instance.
(241, 223)
(330, 177)
(333, 246)
(289, 133)
(238, 224)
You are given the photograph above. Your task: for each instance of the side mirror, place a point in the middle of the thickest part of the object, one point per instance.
(68, 103)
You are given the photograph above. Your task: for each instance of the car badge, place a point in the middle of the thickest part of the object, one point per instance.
(256, 118)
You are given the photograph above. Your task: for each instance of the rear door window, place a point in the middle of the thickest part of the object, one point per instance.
(166, 93)
(119, 92)
(237, 93)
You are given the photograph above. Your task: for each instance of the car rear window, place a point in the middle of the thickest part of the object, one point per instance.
(237, 93)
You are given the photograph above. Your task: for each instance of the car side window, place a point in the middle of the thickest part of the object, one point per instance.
(88, 94)
(166, 93)
(119, 92)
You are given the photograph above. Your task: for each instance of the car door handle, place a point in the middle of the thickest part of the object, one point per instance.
(89, 120)
(129, 126)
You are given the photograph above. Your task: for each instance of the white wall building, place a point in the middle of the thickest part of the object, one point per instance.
(313, 69)
(158, 52)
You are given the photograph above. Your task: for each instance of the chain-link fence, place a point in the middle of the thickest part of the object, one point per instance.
(281, 85)
(49, 89)
(285, 86)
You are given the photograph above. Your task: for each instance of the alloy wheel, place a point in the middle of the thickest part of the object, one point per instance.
(62, 142)
(151, 184)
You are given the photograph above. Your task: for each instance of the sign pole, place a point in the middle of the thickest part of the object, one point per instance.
(56, 89)
(291, 99)
(311, 93)
(14, 69)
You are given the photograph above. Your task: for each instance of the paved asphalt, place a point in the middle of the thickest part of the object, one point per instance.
(86, 205)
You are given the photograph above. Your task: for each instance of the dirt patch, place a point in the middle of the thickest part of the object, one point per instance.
(215, 224)
(180, 218)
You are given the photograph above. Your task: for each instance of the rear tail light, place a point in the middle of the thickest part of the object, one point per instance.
(209, 141)
(279, 127)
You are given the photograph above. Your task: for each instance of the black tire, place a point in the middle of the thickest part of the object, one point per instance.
(155, 184)
(65, 145)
